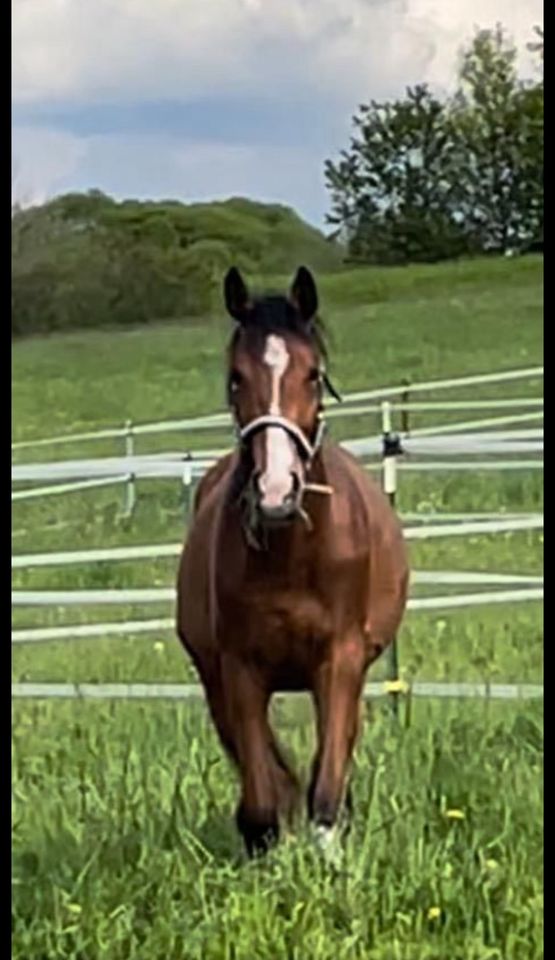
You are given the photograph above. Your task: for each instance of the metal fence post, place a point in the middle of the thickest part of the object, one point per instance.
(187, 481)
(405, 397)
(390, 451)
(130, 487)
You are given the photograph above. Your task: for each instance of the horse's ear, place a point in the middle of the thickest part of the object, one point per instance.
(236, 294)
(304, 295)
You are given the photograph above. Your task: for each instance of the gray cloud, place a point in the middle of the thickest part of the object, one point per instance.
(139, 51)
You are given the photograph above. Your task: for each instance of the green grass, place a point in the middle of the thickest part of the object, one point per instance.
(124, 844)
(444, 321)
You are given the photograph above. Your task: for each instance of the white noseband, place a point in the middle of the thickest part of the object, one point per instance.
(269, 420)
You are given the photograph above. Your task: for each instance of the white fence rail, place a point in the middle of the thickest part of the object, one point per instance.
(155, 551)
(140, 595)
(219, 420)
(188, 468)
(58, 488)
(184, 691)
(88, 630)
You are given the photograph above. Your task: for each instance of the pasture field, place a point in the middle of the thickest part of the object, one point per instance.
(123, 836)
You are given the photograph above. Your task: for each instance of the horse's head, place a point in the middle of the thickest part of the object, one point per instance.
(275, 386)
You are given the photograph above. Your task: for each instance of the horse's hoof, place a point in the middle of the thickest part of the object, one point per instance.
(328, 841)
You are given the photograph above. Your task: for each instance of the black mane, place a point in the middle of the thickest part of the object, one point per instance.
(276, 314)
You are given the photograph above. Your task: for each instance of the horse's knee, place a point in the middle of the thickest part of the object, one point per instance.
(259, 829)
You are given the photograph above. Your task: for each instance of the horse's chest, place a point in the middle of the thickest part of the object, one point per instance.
(278, 625)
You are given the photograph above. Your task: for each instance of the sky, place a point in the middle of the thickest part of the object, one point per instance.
(206, 99)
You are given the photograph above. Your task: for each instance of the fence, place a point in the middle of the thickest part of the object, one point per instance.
(449, 440)
(381, 393)
(182, 691)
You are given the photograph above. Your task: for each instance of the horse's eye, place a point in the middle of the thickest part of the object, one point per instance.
(235, 380)
(314, 375)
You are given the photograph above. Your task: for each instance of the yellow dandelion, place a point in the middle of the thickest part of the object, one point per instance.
(159, 646)
(434, 913)
(396, 686)
(455, 814)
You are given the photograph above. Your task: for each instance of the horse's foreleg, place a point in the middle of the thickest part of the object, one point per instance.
(247, 705)
(337, 691)
(209, 670)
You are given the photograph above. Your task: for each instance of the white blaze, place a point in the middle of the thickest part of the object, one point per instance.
(276, 481)
(276, 358)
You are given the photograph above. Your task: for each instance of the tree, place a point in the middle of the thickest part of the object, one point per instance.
(85, 260)
(499, 122)
(536, 46)
(427, 180)
(395, 190)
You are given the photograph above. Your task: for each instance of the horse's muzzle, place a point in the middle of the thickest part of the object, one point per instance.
(282, 514)
(279, 510)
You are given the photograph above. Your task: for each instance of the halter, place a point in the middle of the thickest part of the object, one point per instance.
(306, 448)
(255, 535)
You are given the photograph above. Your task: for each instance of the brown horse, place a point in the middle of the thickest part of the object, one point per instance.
(294, 575)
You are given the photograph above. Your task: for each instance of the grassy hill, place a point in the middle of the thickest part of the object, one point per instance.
(87, 261)
(268, 238)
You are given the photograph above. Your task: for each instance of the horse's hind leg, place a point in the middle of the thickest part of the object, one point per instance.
(287, 784)
(337, 691)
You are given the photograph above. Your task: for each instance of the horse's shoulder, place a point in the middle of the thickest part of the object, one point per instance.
(343, 469)
(353, 484)
(212, 480)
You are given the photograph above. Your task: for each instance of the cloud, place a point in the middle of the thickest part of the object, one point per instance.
(106, 49)
(42, 161)
(454, 23)
(238, 95)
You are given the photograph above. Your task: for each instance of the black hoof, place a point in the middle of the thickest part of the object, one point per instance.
(258, 835)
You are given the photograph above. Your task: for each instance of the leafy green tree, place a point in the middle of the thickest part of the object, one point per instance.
(85, 260)
(396, 190)
(427, 180)
(499, 120)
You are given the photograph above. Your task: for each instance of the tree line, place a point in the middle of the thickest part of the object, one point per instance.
(86, 260)
(427, 179)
